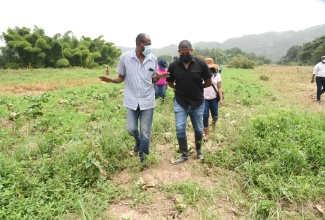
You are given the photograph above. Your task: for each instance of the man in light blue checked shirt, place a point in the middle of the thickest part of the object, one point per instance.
(138, 70)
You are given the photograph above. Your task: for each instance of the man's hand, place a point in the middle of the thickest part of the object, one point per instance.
(162, 75)
(312, 80)
(106, 79)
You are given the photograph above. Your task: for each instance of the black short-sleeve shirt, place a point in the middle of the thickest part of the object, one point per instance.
(189, 87)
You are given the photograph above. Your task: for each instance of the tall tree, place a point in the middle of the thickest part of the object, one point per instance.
(34, 50)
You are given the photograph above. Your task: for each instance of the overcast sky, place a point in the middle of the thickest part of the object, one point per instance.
(165, 21)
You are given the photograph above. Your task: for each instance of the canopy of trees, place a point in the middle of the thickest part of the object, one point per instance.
(307, 54)
(233, 57)
(226, 56)
(26, 49)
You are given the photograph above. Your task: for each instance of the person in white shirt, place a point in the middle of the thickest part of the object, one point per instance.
(210, 98)
(319, 73)
(137, 68)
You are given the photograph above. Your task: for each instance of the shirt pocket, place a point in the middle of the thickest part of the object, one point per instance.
(147, 76)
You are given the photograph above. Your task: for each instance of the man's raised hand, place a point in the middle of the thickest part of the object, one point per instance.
(106, 79)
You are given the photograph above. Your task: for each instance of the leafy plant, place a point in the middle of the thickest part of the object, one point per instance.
(92, 167)
(34, 110)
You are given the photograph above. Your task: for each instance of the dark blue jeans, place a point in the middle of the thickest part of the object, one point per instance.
(160, 91)
(320, 82)
(210, 105)
(196, 116)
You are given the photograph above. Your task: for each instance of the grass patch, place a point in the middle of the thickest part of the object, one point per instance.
(63, 139)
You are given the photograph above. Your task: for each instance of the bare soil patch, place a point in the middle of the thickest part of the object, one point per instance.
(162, 206)
(41, 87)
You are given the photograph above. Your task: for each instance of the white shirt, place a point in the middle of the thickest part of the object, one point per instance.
(209, 92)
(319, 69)
(138, 86)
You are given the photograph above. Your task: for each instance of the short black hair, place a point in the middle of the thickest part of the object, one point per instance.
(185, 44)
(213, 70)
(141, 37)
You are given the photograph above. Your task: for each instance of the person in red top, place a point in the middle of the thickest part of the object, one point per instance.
(161, 85)
(107, 71)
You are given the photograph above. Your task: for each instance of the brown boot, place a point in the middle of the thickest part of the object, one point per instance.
(206, 134)
(213, 123)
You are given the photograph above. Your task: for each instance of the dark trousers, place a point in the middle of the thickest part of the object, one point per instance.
(212, 106)
(320, 82)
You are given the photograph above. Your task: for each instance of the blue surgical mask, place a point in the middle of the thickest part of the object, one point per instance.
(147, 50)
(323, 61)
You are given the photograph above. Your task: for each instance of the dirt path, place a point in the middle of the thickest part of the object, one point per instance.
(162, 206)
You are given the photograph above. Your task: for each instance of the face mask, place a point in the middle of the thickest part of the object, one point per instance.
(147, 50)
(185, 58)
(323, 61)
(213, 72)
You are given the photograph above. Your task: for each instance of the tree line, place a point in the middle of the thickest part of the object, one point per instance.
(233, 58)
(307, 54)
(33, 49)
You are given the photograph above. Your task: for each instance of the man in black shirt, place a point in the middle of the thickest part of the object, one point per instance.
(187, 75)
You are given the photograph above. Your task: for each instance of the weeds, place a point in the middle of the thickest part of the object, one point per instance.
(62, 148)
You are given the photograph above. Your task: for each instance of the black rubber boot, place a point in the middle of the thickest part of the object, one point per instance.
(136, 148)
(182, 142)
(143, 164)
(198, 144)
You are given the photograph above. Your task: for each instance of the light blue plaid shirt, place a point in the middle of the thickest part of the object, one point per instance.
(138, 87)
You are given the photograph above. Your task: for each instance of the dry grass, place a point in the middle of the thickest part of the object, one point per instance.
(43, 80)
(32, 88)
(291, 84)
